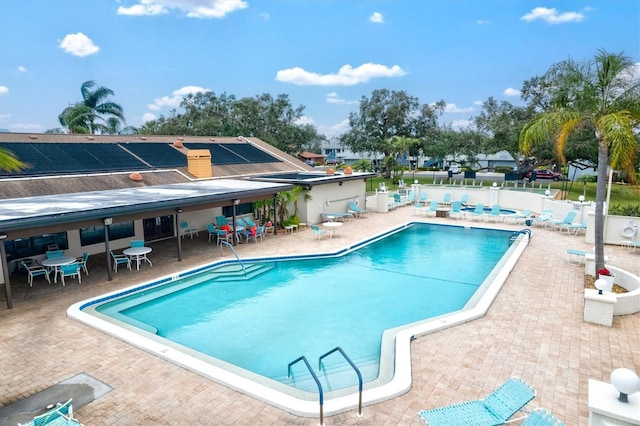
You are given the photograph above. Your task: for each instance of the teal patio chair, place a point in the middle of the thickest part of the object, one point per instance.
(501, 405)
(221, 220)
(464, 200)
(495, 213)
(120, 259)
(433, 208)
(35, 271)
(355, 209)
(456, 210)
(137, 243)
(52, 254)
(478, 211)
(317, 231)
(446, 199)
(212, 231)
(70, 270)
(223, 235)
(575, 227)
(60, 415)
(82, 261)
(541, 417)
(519, 217)
(188, 230)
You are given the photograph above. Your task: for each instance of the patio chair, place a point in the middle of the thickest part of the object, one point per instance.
(575, 257)
(545, 218)
(120, 259)
(494, 213)
(35, 271)
(186, 229)
(316, 230)
(256, 232)
(250, 223)
(478, 211)
(82, 261)
(568, 219)
(433, 208)
(464, 200)
(223, 235)
(575, 227)
(137, 243)
(355, 210)
(70, 270)
(498, 407)
(212, 231)
(51, 254)
(60, 415)
(221, 220)
(456, 210)
(447, 199)
(541, 417)
(519, 217)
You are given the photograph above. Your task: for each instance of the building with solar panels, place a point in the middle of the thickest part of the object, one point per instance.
(145, 186)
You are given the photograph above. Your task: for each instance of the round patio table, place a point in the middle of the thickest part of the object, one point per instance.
(138, 254)
(332, 227)
(56, 263)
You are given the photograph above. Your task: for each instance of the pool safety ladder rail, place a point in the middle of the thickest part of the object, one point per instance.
(228, 244)
(315, 377)
(516, 234)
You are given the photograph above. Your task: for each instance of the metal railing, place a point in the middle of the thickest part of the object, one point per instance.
(339, 349)
(228, 244)
(303, 358)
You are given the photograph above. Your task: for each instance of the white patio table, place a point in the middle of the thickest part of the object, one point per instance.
(138, 254)
(56, 263)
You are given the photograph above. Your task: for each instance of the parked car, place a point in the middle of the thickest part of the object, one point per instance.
(546, 174)
(455, 168)
(310, 163)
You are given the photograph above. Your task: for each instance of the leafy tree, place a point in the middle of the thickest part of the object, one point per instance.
(602, 94)
(389, 114)
(9, 162)
(273, 120)
(83, 116)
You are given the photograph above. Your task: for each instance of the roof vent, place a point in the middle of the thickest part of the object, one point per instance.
(90, 138)
(178, 143)
(143, 138)
(33, 137)
(135, 176)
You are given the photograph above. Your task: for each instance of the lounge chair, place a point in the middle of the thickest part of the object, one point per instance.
(433, 208)
(541, 417)
(464, 199)
(575, 257)
(494, 214)
(35, 271)
(355, 210)
(316, 230)
(120, 259)
(497, 408)
(221, 220)
(519, 217)
(478, 211)
(447, 199)
(568, 219)
(60, 415)
(70, 270)
(575, 227)
(545, 218)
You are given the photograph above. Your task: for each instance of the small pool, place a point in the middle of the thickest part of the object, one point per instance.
(370, 299)
(487, 210)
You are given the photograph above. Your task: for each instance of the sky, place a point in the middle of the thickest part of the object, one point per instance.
(326, 55)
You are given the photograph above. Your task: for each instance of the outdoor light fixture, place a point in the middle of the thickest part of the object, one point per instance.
(547, 193)
(495, 184)
(626, 382)
(581, 198)
(603, 285)
(179, 210)
(3, 237)
(236, 201)
(108, 220)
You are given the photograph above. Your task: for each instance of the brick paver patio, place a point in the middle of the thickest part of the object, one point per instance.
(534, 330)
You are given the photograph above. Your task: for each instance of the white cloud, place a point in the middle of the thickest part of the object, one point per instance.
(22, 69)
(176, 97)
(483, 22)
(4, 118)
(346, 76)
(551, 16)
(191, 8)
(4, 90)
(148, 117)
(478, 103)
(454, 109)
(335, 130)
(304, 120)
(461, 124)
(24, 127)
(511, 92)
(78, 45)
(333, 98)
(376, 18)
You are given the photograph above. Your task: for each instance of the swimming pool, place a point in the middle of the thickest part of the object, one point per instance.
(396, 261)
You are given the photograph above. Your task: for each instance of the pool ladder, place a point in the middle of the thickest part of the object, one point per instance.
(516, 234)
(315, 377)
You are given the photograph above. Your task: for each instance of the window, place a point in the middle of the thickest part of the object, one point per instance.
(95, 234)
(33, 246)
(241, 209)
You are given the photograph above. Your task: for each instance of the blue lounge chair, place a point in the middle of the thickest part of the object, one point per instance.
(519, 217)
(575, 227)
(60, 415)
(575, 257)
(478, 211)
(541, 417)
(456, 210)
(568, 219)
(502, 404)
(433, 208)
(355, 210)
(446, 199)
(464, 199)
(495, 212)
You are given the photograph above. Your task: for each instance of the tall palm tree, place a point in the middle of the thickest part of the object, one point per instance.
(82, 116)
(9, 162)
(602, 95)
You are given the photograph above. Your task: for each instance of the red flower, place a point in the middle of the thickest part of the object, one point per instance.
(604, 271)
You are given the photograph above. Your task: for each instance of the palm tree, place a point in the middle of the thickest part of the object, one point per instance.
(602, 95)
(9, 162)
(81, 117)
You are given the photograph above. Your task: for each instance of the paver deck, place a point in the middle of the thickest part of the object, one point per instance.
(534, 330)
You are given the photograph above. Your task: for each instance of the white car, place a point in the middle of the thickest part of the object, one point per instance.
(455, 168)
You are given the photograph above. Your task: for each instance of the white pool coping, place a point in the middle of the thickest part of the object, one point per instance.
(395, 382)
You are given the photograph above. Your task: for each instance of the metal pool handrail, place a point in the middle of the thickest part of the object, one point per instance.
(516, 234)
(338, 348)
(303, 358)
(228, 244)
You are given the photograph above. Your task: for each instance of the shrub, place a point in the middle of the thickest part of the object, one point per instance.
(628, 210)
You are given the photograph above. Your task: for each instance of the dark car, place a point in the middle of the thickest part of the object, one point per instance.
(310, 163)
(546, 174)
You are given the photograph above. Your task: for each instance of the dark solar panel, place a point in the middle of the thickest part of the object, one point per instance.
(68, 158)
(157, 154)
(232, 153)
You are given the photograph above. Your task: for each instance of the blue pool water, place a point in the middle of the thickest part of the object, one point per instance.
(307, 307)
